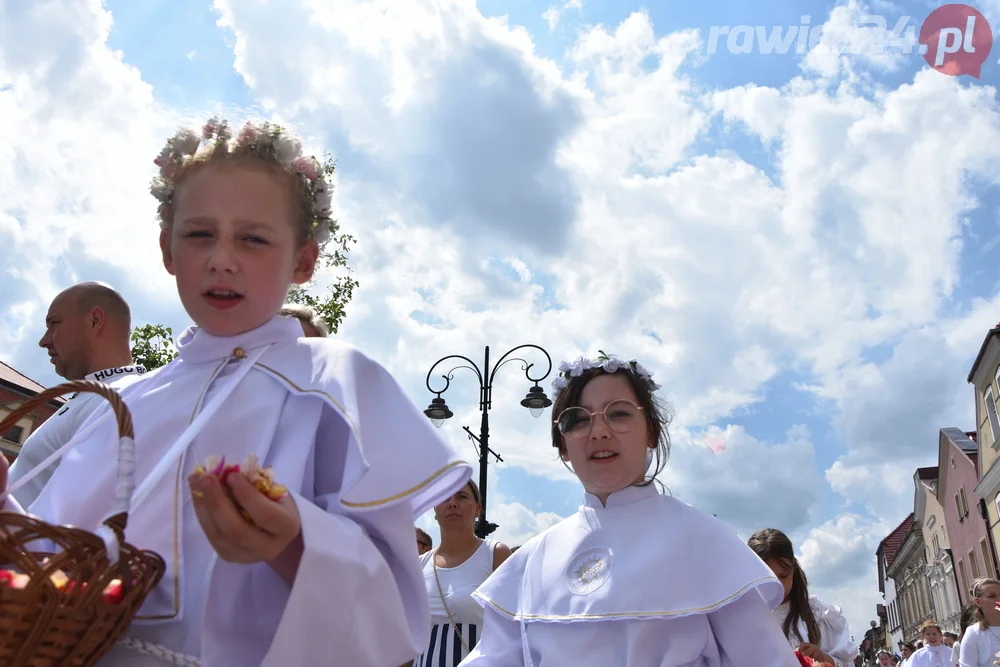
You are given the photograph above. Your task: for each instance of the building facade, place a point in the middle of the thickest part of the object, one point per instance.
(15, 388)
(986, 388)
(967, 529)
(885, 556)
(930, 515)
(909, 570)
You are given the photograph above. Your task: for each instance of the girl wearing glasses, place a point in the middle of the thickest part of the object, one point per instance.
(634, 577)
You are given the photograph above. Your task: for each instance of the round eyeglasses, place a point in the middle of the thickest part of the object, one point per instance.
(621, 417)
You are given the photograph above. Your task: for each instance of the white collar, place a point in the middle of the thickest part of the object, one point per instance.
(110, 374)
(626, 496)
(198, 346)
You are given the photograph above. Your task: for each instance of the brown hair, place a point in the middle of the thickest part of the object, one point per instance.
(245, 156)
(977, 592)
(929, 624)
(772, 544)
(657, 415)
(475, 491)
(427, 538)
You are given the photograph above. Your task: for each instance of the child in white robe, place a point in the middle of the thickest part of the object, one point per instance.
(635, 577)
(981, 626)
(816, 629)
(327, 575)
(934, 653)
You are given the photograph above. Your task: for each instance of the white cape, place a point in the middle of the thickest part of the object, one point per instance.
(645, 580)
(360, 459)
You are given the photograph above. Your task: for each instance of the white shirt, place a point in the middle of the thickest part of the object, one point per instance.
(359, 459)
(57, 430)
(834, 635)
(645, 581)
(458, 583)
(931, 656)
(979, 646)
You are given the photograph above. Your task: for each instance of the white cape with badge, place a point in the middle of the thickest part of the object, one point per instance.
(645, 580)
(360, 459)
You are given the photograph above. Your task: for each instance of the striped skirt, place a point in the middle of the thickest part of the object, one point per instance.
(445, 647)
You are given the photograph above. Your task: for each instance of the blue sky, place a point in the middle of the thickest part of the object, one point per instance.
(701, 211)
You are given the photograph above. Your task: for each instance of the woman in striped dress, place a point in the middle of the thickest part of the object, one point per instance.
(451, 573)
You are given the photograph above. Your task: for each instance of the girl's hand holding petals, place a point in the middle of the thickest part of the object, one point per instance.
(272, 531)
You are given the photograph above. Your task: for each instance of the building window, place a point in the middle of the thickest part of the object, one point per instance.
(988, 569)
(974, 562)
(991, 410)
(937, 547)
(965, 578)
(965, 502)
(14, 434)
(958, 507)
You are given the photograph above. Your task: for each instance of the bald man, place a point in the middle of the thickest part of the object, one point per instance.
(87, 337)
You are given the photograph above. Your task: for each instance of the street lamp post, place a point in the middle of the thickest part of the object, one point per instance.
(536, 401)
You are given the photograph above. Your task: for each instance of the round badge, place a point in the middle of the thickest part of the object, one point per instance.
(588, 571)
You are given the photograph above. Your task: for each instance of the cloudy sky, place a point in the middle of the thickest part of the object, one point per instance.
(801, 246)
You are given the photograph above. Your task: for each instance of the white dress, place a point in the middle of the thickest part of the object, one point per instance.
(359, 459)
(646, 581)
(931, 656)
(457, 585)
(835, 636)
(979, 646)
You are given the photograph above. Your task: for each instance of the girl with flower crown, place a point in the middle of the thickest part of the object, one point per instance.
(327, 572)
(634, 577)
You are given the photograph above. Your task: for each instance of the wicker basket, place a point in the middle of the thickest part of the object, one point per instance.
(45, 626)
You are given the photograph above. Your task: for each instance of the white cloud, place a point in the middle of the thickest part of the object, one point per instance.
(553, 14)
(838, 558)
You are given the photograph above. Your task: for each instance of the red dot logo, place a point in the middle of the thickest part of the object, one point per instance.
(956, 40)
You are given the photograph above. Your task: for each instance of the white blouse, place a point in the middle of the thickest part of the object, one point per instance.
(835, 636)
(645, 580)
(979, 646)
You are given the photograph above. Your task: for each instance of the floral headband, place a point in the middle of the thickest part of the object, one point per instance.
(609, 362)
(266, 140)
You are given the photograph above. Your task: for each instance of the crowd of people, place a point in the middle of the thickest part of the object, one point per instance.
(328, 573)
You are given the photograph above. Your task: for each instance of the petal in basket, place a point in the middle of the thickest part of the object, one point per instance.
(68, 595)
(113, 593)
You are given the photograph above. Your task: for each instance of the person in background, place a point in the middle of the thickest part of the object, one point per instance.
(968, 618)
(451, 573)
(934, 652)
(981, 639)
(313, 325)
(87, 337)
(424, 542)
(907, 650)
(817, 629)
(884, 659)
(951, 641)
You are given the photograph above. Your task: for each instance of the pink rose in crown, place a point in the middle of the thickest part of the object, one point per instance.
(306, 167)
(247, 134)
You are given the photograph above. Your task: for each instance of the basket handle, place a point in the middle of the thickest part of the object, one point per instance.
(112, 531)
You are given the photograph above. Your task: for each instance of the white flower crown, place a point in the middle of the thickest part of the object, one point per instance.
(609, 362)
(265, 140)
